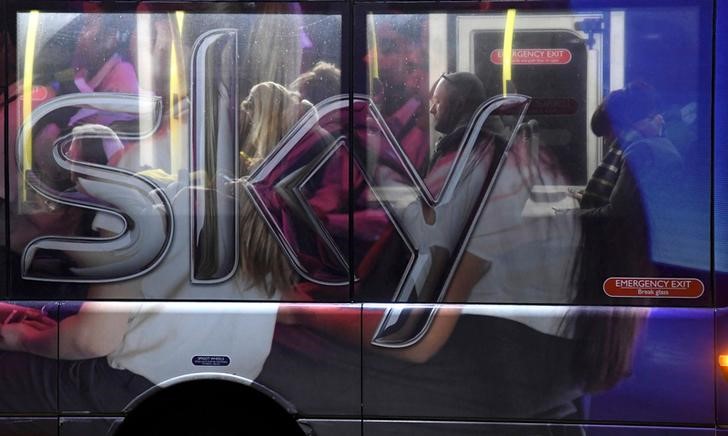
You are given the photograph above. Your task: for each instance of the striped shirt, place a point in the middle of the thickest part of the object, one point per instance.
(600, 185)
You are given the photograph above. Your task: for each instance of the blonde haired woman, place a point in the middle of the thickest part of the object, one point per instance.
(267, 114)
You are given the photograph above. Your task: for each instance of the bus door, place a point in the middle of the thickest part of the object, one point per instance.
(560, 60)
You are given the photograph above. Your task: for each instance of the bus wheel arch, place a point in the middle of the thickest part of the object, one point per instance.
(209, 405)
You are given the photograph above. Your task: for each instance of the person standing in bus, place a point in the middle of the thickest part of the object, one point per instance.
(616, 202)
(627, 119)
(616, 226)
(454, 99)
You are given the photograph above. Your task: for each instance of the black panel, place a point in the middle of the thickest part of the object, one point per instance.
(88, 426)
(29, 426)
(316, 427)
(384, 428)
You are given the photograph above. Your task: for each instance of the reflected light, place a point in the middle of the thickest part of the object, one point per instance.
(175, 96)
(28, 94)
(507, 48)
(180, 18)
(373, 59)
(145, 72)
(723, 361)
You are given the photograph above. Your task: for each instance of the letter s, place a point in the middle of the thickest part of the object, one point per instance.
(138, 213)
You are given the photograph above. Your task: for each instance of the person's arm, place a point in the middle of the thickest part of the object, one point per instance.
(95, 331)
(623, 198)
(12, 313)
(337, 321)
(470, 270)
(35, 336)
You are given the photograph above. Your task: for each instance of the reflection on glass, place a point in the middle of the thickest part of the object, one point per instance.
(103, 69)
(530, 244)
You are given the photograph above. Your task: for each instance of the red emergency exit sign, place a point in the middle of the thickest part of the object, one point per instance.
(651, 287)
(533, 56)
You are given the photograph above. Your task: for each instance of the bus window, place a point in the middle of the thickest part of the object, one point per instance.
(600, 84)
(124, 165)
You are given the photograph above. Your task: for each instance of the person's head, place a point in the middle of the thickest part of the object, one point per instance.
(323, 81)
(268, 113)
(454, 98)
(634, 107)
(600, 124)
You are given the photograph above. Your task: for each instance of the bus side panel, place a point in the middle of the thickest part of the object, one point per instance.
(722, 371)
(103, 426)
(383, 428)
(306, 372)
(29, 426)
(226, 338)
(322, 427)
(672, 354)
(87, 426)
(316, 363)
(599, 430)
(505, 362)
(29, 382)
